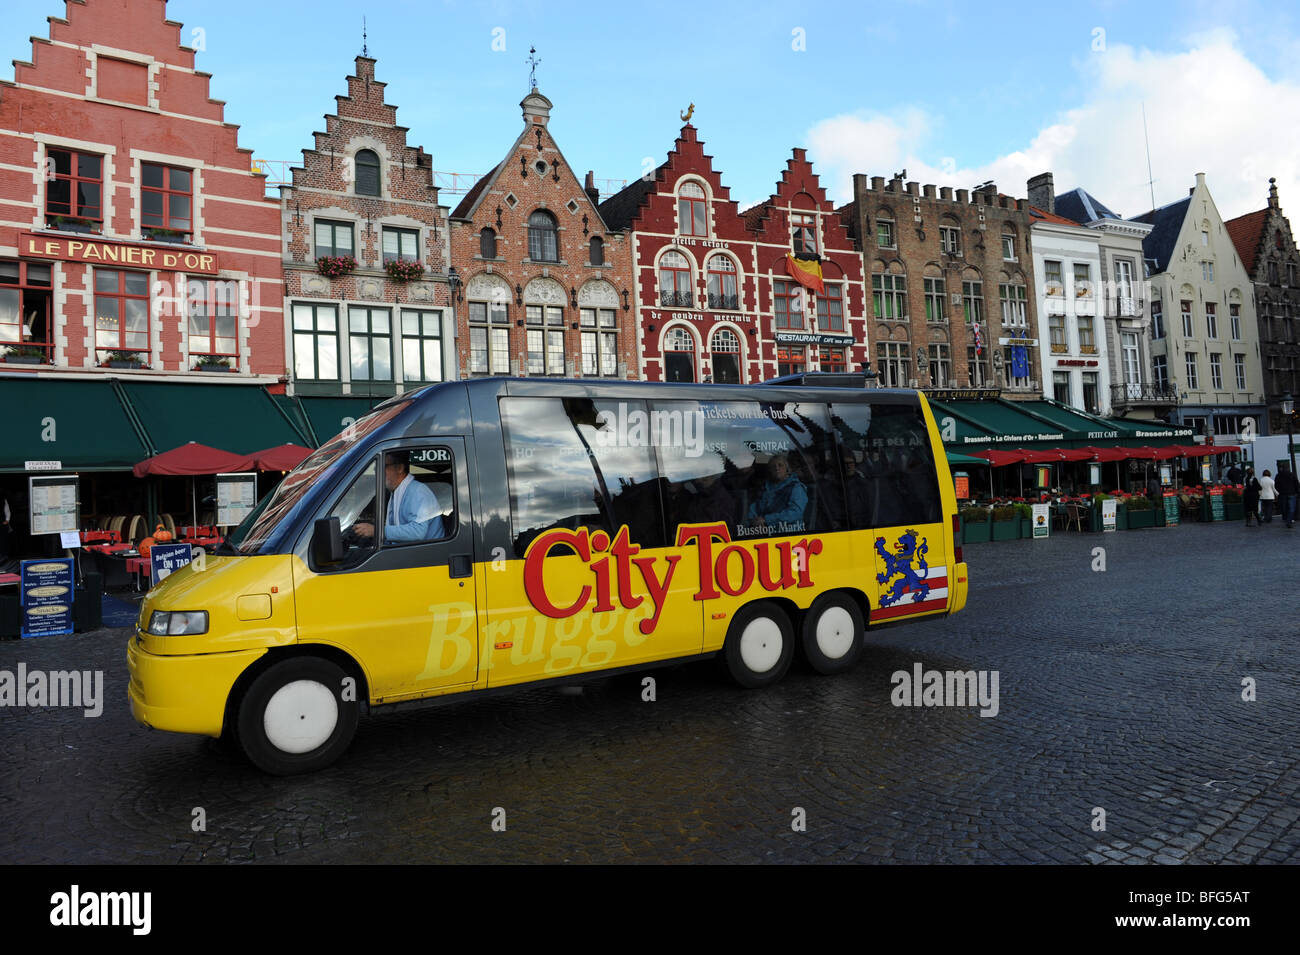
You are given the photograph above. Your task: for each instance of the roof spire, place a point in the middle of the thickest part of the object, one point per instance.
(364, 50)
(533, 62)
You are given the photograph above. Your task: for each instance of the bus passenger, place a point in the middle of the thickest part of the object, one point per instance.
(706, 499)
(413, 510)
(783, 498)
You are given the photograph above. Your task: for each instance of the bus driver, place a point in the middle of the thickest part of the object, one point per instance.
(413, 510)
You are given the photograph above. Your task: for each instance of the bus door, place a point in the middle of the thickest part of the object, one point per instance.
(403, 600)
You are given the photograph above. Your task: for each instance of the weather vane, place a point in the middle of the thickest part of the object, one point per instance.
(686, 116)
(533, 62)
(364, 49)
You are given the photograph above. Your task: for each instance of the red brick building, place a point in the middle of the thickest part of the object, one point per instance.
(546, 282)
(132, 227)
(715, 297)
(367, 306)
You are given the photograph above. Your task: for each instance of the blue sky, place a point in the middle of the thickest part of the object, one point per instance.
(952, 91)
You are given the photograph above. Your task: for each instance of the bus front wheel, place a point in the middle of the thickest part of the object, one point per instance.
(760, 644)
(833, 633)
(294, 718)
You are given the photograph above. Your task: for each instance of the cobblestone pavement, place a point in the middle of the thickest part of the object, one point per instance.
(1119, 690)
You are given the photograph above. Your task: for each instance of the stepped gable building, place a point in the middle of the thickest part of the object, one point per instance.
(941, 266)
(1126, 331)
(1204, 334)
(1267, 248)
(716, 299)
(133, 229)
(368, 304)
(546, 281)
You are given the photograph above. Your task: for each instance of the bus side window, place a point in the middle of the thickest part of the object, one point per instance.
(888, 445)
(419, 495)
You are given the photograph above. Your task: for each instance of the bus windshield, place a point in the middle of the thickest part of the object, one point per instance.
(260, 524)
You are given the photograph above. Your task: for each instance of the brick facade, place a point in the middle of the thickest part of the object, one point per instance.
(909, 234)
(707, 287)
(116, 168)
(550, 301)
(362, 191)
(1268, 251)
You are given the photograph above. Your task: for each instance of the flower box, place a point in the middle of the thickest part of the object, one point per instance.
(23, 360)
(335, 266)
(1141, 518)
(974, 523)
(125, 364)
(1233, 510)
(1005, 525)
(400, 270)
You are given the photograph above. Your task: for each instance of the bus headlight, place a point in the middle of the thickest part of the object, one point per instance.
(178, 623)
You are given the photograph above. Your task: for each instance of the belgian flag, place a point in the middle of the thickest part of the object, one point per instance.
(807, 272)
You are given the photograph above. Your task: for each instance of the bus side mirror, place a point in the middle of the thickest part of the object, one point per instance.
(326, 542)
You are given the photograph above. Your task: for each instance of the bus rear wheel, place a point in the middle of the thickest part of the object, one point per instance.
(293, 718)
(833, 633)
(760, 645)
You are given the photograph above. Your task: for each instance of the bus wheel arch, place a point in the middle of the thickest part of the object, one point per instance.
(295, 710)
(833, 631)
(760, 644)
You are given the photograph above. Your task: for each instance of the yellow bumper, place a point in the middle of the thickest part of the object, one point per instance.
(958, 590)
(183, 694)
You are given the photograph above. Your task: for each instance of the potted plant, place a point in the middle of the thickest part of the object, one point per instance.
(1233, 509)
(212, 363)
(1140, 512)
(1006, 523)
(335, 266)
(25, 355)
(158, 233)
(401, 270)
(122, 359)
(1026, 512)
(974, 524)
(71, 224)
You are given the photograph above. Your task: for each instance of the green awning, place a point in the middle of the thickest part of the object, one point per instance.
(964, 459)
(328, 415)
(979, 425)
(238, 418)
(1133, 434)
(81, 424)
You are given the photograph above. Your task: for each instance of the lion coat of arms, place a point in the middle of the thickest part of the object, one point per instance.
(906, 567)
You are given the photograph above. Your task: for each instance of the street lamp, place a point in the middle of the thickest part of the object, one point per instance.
(1288, 409)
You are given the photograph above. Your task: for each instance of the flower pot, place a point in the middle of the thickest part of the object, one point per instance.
(1140, 519)
(125, 364)
(23, 360)
(1005, 530)
(1234, 511)
(975, 532)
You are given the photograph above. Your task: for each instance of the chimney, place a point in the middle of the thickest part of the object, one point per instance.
(589, 187)
(945, 193)
(1200, 183)
(1042, 192)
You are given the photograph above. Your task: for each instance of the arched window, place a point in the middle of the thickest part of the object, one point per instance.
(679, 355)
(675, 281)
(722, 283)
(367, 170)
(726, 357)
(542, 240)
(487, 244)
(597, 250)
(691, 216)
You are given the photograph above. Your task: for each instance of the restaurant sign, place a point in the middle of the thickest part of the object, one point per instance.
(98, 252)
(812, 338)
(962, 394)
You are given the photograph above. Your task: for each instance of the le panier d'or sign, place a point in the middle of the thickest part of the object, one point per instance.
(98, 252)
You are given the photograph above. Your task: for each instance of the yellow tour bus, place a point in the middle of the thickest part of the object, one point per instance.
(481, 535)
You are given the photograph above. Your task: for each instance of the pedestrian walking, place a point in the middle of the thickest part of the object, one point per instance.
(1250, 496)
(1234, 475)
(1288, 492)
(1267, 495)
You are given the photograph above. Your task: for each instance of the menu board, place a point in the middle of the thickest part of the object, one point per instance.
(962, 481)
(1109, 512)
(46, 597)
(1216, 503)
(236, 498)
(1041, 520)
(54, 504)
(1171, 509)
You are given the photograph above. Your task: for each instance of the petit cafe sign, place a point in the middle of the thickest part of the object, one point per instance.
(97, 252)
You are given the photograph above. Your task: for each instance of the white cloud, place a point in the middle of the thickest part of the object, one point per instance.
(1209, 109)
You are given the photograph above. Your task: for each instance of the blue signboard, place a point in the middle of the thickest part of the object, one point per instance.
(47, 597)
(165, 559)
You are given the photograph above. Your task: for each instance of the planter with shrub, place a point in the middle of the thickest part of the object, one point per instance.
(1006, 523)
(974, 525)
